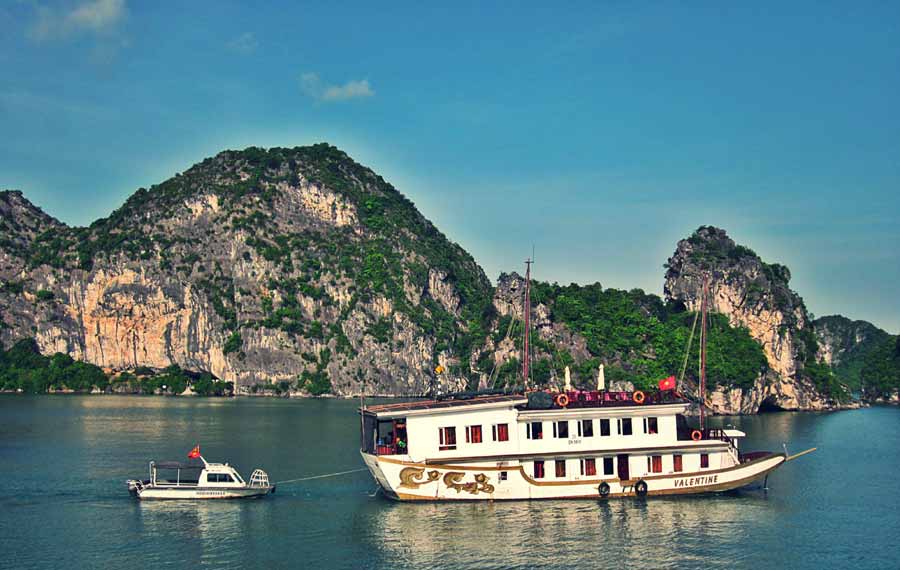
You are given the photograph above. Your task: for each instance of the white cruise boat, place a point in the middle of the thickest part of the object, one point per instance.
(600, 444)
(198, 479)
(544, 445)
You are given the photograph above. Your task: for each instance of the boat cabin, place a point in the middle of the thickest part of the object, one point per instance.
(567, 435)
(193, 473)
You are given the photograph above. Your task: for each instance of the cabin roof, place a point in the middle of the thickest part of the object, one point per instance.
(179, 465)
(511, 399)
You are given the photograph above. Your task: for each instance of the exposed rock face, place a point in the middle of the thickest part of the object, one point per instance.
(841, 339)
(755, 295)
(304, 268)
(845, 345)
(294, 265)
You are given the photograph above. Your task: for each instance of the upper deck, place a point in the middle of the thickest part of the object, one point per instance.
(532, 401)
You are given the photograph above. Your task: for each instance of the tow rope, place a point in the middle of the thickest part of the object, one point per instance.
(321, 476)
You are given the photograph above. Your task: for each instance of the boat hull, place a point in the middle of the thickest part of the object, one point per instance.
(411, 481)
(201, 493)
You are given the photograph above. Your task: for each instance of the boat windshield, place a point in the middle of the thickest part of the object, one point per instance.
(175, 473)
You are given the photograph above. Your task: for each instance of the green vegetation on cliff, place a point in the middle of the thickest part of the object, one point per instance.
(643, 340)
(880, 371)
(24, 368)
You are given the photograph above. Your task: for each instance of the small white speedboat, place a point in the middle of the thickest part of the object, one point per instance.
(198, 479)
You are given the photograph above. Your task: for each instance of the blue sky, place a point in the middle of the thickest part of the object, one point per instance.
(601, 133)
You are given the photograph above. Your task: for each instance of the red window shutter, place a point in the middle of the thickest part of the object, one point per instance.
(560, 468)
(503, 432)
(677, 462)
(657, 463)
(590, 467)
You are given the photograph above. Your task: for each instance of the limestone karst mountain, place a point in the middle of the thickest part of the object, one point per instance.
(299, 270)
(259, 266)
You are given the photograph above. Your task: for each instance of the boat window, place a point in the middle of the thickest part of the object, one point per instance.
(676, 462)
(625, 426)
(608, 466)
(586, 428)
(538, 469)
(501, 432)
(654, 464)
(561, 429)
(473, 434)
(504, 476)
(651, 426)
(704, 460)
(560, 467)
(447, 437)
(604, 427)
(535, 430)
(589, 466)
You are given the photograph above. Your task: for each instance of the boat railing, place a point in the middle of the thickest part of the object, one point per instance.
(259, 478)
(606, 398)
(752, 456)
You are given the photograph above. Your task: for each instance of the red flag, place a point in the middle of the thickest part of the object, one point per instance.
(195, 453)
(667, 384)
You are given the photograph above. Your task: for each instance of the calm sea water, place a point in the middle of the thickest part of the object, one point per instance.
(63, 503)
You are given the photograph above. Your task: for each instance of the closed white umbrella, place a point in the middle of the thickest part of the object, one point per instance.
(568, 380)
(601, 379)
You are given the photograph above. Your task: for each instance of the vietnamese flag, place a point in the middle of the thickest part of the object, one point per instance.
(195, 453)
(667, 384)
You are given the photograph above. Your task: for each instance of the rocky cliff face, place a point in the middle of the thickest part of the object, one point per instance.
(301, 269)
(845, 345)
(755, 295)
(287, 265)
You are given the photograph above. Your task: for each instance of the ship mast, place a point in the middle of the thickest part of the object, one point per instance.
(526, 354)
(704, 308)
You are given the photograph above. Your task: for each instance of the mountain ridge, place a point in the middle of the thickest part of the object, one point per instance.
(300, 270)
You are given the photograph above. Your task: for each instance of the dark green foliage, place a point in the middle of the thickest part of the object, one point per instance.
(13, 287)
(644, 339)
(22, 367)
(880, 373)
(233, 344)
(207, 385)
(44, 295)
(854, 340)
(317, 382)
(381, 330)
(818, 372)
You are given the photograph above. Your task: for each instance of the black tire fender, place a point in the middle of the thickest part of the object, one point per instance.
(603, 489)
(640, 488)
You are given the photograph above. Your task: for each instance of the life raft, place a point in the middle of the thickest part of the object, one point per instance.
(696, 435)
(562, 400)
(638, 397)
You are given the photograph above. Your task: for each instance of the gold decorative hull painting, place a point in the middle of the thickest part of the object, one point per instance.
(407, 481)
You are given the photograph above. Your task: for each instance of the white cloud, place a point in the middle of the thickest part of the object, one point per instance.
(312, 86)
(245, 43)
(89, 17)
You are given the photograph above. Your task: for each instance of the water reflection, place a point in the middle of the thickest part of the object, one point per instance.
(658, 533)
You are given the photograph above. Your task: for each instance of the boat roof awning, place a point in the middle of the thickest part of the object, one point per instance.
(179, 465)
(422, 407)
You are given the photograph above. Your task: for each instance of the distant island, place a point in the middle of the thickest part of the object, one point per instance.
(297, 271)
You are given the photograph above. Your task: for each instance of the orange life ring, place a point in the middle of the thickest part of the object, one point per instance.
(638, 397)
(696, 435)
(562, 400)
